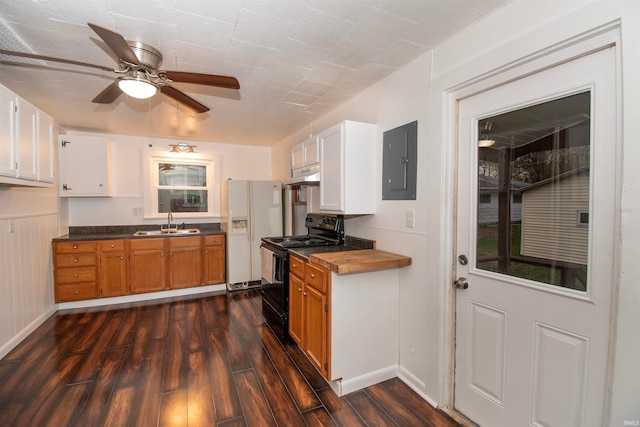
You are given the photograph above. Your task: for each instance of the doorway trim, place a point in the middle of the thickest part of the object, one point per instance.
(583, 44)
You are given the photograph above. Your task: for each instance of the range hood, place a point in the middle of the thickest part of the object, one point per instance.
(305, 176)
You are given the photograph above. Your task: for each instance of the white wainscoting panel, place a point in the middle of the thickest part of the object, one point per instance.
(26, 275)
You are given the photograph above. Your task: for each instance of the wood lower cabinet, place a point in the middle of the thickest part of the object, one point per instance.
(185, 262)
(109, 268)
(213, 259)
(309, 311)
(75, 272)
(147, 265)
(112, 268)
(296, 303)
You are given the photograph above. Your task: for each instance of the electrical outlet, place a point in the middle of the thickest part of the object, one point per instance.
(410, 218)
(11, 227)
(137, 211)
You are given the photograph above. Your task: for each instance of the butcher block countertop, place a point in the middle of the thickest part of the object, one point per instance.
(359, 261)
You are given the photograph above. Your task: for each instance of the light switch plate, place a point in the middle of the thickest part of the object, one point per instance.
(410, 220)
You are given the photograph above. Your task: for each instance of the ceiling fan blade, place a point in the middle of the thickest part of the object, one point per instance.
(183, 98)
(203, 79)
(116, 43)
(108, 95)
(53, 59)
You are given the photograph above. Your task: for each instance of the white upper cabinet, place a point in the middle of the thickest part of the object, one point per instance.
(305, 155)
(46, 147)
(26, 151)
(85, 166)
(347, 169)
(311, 150)
(27, 140)
(8, 160)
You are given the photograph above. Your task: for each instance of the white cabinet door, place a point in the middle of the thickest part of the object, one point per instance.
(332, 169)
(46, 141)
(297, 157)
(84, 166)
(311, 150)
(26, 139)
(347, 169)
(8, 162)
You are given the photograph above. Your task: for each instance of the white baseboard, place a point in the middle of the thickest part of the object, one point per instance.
(141, 297)
(17, 339)
(342, 387)
(416, 385)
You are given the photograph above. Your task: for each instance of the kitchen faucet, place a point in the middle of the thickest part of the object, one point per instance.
(169, 219)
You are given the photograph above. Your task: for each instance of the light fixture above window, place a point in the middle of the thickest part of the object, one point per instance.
(137, 86)
(182, 147)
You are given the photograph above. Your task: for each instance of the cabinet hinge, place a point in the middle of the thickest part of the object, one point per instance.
(64, 143)
(326, 307)
(15, 108)
(326, 365)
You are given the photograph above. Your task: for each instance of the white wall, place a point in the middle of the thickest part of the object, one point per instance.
(127, 154)
(418, 91)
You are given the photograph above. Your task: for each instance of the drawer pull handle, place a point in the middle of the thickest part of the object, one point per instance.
(313, 276)
(206, 252)
(75, 275)
(122, 257)
(77, 292)
(299, 289)
(295, 265)
(305, 294)
(75, 260)
(75, 246)
(113, 246)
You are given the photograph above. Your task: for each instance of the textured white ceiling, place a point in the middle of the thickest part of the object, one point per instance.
(295, 59)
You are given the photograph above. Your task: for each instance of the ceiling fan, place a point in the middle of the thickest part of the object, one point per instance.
(139, 72)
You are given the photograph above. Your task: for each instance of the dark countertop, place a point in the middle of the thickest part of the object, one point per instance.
(351, 244)
(305, 253)
(119, 232)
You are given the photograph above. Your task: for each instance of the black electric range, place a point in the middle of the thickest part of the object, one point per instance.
(322, 230)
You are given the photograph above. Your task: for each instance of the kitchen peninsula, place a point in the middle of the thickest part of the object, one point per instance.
(344, 313)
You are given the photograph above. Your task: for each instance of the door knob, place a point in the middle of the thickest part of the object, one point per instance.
(461, 283)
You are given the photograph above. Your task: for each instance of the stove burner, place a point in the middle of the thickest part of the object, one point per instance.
(299, 241)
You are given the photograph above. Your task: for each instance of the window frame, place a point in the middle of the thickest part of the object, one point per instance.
(152, 184)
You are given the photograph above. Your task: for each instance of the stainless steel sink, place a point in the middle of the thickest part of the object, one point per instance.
(167, 232)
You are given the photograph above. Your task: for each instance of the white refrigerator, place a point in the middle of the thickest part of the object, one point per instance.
(251, 210)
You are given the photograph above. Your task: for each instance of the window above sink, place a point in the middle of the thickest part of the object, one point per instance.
(181, 186)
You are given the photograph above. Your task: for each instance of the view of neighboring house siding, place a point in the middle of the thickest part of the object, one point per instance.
(550, 227)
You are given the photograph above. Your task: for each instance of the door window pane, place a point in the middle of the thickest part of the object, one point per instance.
(533, 192)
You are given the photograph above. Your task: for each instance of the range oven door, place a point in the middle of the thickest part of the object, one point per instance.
(275, 289)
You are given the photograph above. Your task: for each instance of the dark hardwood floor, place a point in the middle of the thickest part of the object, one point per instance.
(205, 361)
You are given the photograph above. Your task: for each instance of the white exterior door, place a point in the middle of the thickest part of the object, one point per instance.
(535, 246)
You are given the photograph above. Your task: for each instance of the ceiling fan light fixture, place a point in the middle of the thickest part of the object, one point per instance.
(137, 87)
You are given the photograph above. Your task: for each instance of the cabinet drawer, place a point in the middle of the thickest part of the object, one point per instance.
(76, 292)
(315, 276)
(146, 244)
(76, 275)
(184, 242)
(214, 240)
(74, 247)
(75, 260)
(111, 245)
(296, 267)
